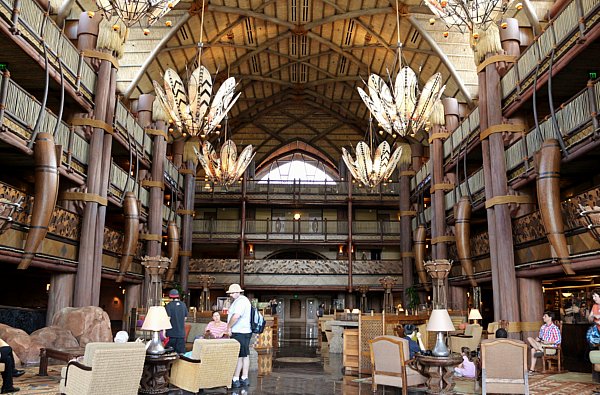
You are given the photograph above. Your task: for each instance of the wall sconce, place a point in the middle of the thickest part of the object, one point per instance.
(48, 287)
(123, 291)
(297, 216)
(341, 249)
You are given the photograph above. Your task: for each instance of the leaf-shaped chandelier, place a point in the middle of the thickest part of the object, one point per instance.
(403, 109)
(226, 168)
(192, 109)
(371, 171)
(467, 15)
(398, 111)
(134, 11)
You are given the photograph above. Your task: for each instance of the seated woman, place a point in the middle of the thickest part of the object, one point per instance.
(216, 329)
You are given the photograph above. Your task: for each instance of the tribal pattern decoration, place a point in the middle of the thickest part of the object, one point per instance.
(467, 15)
(372, 171)
(192, 110)
(226, 168)
(133, 11)
(398, 111)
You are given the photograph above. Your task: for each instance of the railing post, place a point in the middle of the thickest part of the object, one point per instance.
(15, 17)
(325, 228)
(581, 20)
(4, 93)
(593, 108)
(268, 226)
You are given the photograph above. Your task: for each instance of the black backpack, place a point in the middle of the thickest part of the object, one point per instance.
(257, 321)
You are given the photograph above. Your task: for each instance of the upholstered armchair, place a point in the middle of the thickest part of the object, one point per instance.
(391, 364)
(504, 367)
(107, 369)
(212, 365)
(471, 338)
(491, 329)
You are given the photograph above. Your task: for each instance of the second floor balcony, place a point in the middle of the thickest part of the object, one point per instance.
(316, 229)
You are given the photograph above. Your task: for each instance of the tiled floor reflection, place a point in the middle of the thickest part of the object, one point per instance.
(298, 367)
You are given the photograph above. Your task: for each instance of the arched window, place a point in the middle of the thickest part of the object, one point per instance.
(299, 167)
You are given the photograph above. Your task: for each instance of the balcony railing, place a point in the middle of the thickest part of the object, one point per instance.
(299, 191)
(172, 175)
(32, 23)
(575, 121)
(316, 229)
(169, 215)
(20, 114)
(127, 127)
(560, 35)
(121, 183)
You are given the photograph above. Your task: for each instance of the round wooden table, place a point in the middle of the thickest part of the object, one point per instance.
(155, 377)
(439, 372)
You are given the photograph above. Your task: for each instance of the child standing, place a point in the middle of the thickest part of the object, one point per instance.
(467, 367)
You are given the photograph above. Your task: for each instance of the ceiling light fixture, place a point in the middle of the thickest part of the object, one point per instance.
(372, 170)
(467, 15)
(132, 12)
(403, 109)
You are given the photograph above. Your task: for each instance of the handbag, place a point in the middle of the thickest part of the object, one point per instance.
(593, 336)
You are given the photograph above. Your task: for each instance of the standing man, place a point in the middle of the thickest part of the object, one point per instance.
(238, 322)
(177, 310)
(549, 336)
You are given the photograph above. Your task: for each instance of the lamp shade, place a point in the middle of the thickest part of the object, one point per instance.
(440, 321)
(156, 319)
(475, 314)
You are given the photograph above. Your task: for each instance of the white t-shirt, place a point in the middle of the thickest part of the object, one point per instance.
(242, 307)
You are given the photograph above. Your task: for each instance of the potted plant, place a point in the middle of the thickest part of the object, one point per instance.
(412, 297)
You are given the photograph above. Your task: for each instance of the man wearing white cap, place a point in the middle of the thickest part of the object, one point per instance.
(238, 323)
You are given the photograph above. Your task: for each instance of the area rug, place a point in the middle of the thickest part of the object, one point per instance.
(32, 384)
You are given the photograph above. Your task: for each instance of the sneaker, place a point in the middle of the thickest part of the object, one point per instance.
(10, 390)
(18, 373)
(235, 384)
(245, 382)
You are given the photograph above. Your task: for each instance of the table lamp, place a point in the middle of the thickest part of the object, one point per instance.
(475, 315)
(156, 320)
(440, 322)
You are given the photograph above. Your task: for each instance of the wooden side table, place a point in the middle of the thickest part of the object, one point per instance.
(155, 377)
(439, 372)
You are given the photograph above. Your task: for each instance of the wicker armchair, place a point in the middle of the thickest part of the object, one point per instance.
(212, 365)
(504, 367)
(391, 363)
(471, 339)
(107, 368)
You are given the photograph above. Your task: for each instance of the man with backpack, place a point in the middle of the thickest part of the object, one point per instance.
(238, 323)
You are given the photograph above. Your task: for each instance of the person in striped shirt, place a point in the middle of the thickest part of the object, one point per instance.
(549, 336)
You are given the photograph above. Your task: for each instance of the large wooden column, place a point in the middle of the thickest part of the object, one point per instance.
(457, 297)
(87, 281)
(532, 306)
(243, 228)
(406, 214)
(504, 282)
(349, 244)
(60, 294)
(437, 135)
(133, 293)
(187, 223)
(159, 150)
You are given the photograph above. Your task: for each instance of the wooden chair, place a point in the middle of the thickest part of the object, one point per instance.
(391, 364)
(504, 367)
(471, 339)
(552, 354)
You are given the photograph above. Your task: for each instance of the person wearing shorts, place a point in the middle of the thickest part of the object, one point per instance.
(238, 323)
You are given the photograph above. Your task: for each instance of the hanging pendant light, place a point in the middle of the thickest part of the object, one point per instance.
(402, 109)
(372, 170)
(468, 15)
(136, 11)
(192, 109)
(226, 168)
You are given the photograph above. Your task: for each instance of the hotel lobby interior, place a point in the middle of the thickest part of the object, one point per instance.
(362, 169)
